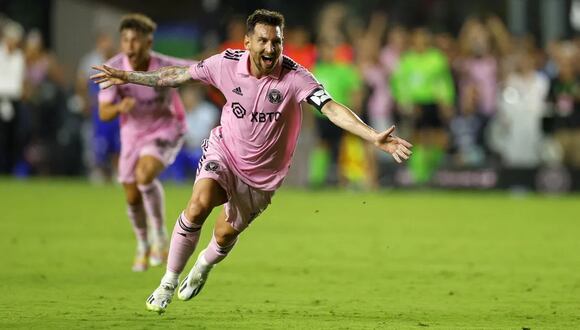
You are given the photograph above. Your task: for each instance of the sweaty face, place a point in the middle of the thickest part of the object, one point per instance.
(136, 46)
(265, 46)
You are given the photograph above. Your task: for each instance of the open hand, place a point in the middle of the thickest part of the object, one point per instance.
(399, 148)
(109, 76)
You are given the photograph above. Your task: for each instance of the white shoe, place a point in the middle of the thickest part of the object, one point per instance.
(194, 281)
(160, 298)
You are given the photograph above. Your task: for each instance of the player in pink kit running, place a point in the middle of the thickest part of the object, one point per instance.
(152, 125)
(247, 157)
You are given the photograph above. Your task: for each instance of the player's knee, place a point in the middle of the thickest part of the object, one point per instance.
(144, 175)
(224, 237)
(197, 210)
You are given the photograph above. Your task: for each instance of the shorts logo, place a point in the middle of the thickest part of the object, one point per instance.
(212, 166)
(274, 96)
(238, 110)
(200, 64)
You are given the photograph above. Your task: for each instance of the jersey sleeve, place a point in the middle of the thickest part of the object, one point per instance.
(108, 95)
(308, 89)
(207, 71)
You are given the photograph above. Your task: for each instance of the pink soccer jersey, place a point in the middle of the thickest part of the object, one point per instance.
(261, 119)
(157, 111)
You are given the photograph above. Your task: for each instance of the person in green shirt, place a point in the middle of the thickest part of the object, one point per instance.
(343, 82)
(423, 90)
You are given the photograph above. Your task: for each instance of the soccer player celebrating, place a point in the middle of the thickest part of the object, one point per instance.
(247, 157)
(152, 124)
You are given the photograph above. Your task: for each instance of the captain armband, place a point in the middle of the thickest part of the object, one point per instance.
(318, 98)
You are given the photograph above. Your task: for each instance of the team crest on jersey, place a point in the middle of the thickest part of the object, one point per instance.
(274, 96)
(212, 166)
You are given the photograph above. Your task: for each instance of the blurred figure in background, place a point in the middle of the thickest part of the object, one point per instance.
(564, 97)
(333, 25)
(235, 32)
(382, 105)
(477, 74)
(12, 72)
(343, 82)
(299, 47)
(395, 46)
(152, 124)
(376, 98)
(517, 128)
(43, 102)
(447, 44)
(477, 67)
(467, 129)
(201, 117)
(423, 88)
(102, 138)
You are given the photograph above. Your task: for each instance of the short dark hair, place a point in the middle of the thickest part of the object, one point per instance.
(138, 22)
(264, 16)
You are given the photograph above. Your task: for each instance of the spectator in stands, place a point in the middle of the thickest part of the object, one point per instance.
(102, 138)
(564, 97)
(516, 129)
(477, 67)
(423, 88)
(333, 25)
(236, 30)
(201, 117)
(43, 102)
(298, 46)
(12, 70)
(343, 82)
(466, 128)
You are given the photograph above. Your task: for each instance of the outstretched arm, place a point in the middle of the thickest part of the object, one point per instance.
(344, 118)
(169, 76)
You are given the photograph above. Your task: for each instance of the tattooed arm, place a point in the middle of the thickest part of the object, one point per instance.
(169, 76)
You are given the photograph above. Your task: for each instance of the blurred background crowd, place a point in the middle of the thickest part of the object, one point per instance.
(487, 91)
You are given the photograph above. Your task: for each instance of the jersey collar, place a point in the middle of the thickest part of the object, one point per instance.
(242, 67)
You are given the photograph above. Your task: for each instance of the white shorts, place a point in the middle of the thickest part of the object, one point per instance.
(244, 203)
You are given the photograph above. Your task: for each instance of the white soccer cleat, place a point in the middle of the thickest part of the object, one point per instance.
(194, 281)
(160, 298)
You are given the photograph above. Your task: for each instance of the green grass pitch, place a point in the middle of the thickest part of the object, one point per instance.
(313, 260)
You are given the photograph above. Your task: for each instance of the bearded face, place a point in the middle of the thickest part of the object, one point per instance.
(265, 46)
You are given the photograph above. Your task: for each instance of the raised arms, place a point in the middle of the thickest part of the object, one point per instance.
(169, 76)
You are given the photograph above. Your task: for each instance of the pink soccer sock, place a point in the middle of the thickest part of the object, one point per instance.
(138, 219)
(215, 253)
(154, 202)
(183, 242)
